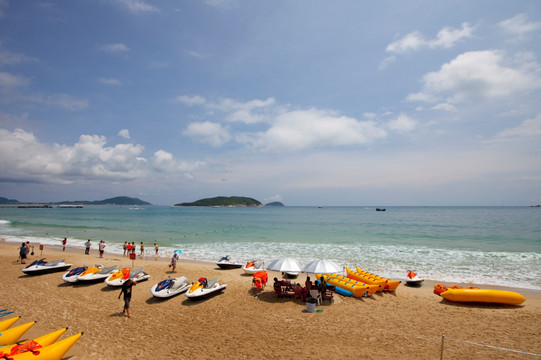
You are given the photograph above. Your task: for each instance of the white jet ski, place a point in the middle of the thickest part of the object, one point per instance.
(73, 275)
(41, 266)
(252, 267)
(120, 277)
(97, 273)
(226, 263)
(170, 287)
(199, 290)
(412, 279)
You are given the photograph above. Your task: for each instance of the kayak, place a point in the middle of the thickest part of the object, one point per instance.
(483, 296)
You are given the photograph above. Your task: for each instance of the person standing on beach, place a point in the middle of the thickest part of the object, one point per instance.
(174, 262)
(87, 247)
(30, 248)
(64, 242)
(125, 247)
(127, 290)
(156, 248)
(142, 248)
(133, 247)
(128, 248)
(22, 253)
(102, 248)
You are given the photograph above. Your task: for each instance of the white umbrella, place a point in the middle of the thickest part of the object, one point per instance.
(322, 267)
(287, 265)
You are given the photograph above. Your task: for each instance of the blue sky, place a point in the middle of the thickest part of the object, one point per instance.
(305, 102)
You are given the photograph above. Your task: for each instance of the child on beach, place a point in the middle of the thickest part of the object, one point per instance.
(127, 290)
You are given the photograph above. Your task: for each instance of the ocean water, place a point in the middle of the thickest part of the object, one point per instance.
(483, 245)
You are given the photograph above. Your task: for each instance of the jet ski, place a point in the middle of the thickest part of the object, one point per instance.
(201, 289)
(97, 273)
(170, 287)
(412, 279)
(73, 275)
(41, 266)
(120, 277)
(251, 267)
(226, 263)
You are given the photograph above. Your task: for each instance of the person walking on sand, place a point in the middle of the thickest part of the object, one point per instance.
(102, 248)
(174, 262)
(87, 247)
(64, 242)
(22, 253)
(127, 290)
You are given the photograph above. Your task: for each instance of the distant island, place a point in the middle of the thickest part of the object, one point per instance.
(119, 200)
(275, 203)
(224, 201)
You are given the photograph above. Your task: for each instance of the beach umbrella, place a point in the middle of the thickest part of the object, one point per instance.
(287, 265)
(178, 252)
(322, 267)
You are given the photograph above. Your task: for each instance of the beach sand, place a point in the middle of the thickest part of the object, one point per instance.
(407, 324)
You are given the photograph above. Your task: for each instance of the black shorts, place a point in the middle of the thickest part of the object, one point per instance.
(127, 302)
(101, 252)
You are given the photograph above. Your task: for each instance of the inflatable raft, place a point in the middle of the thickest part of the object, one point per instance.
(484, 296)
(353, 287)
(372, 279)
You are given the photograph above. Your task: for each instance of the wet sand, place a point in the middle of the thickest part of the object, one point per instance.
(242, 323)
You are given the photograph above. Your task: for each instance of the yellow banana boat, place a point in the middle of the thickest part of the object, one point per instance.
(39, 342)
(390, 285)
(484, 296)
(11, 335)
(357, 288)
(55, 351)
(7, 323)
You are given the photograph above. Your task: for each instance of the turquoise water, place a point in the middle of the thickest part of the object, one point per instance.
(485, 245)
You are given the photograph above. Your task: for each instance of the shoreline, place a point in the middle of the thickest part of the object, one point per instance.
(431, 283)
(241, 321)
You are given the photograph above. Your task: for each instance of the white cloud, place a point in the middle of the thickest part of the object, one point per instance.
(445, 107)
(124, 133)
(527, 129)
(10, 58)
(446, 38)
(305, 129)
(208, 132)
(480, 74)
(519, 25)
(9, 81)
(110, 81)
(403, 123)
(64, 101)
(137, 6)
(116, 48)
(222, 4)
(191, 100)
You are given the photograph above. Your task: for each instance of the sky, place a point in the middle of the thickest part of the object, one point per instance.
(311, 103)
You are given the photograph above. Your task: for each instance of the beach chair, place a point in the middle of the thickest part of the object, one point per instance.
(327, 294)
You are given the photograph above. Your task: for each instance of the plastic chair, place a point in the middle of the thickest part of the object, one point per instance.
(316, 295)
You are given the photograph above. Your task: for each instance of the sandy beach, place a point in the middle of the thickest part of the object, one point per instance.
(407, 324)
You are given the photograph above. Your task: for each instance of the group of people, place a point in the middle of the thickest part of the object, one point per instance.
(130, 248)
(101, 247)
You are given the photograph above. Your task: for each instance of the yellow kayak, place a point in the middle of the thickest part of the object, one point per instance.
(484, 296)
(11, 335)
(42, 341)
(55, 351)
(7, 323)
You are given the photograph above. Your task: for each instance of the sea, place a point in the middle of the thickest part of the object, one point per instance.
(481, 245)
